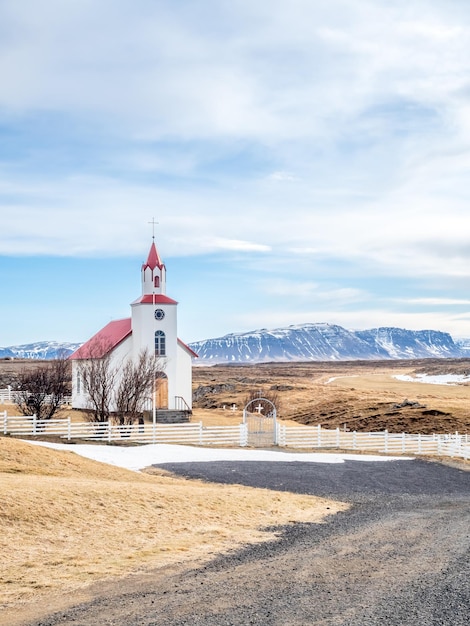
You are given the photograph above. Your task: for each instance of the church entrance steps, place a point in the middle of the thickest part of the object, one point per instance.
(166, 416)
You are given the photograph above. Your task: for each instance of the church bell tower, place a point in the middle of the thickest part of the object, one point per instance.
(154, 325)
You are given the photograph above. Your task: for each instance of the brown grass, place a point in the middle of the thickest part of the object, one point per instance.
(362, 396)
(67, 521)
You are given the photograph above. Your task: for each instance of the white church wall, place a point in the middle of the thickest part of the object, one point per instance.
(184, 376)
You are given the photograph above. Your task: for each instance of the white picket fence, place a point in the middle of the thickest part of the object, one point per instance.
(194, 433)
(9, 395)
(6, 395)
(307, 437)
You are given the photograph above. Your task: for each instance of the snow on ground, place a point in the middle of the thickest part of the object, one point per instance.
(138, 457)
(440, 379)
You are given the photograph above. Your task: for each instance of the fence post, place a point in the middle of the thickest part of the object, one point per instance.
(110, 438)
(69, 428)
(5, 422)
(386, 441)
(319, 436)
(201, 435)
(403, 442)
(243, 435)
(35, 419)
(354, 439)
(337, 437)
(419, 443)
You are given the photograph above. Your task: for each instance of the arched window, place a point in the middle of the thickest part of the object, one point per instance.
(156, 281)
(160, 348)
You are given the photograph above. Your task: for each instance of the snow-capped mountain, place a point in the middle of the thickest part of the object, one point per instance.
(326, 342)
(399, 343)
(39, 350)
(303, 342)
(463, 345)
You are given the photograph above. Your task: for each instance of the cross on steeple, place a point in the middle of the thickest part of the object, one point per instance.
(153, 222)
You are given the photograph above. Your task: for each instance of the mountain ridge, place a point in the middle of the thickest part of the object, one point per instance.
(318, 341)
(327, 342)
(39, 350)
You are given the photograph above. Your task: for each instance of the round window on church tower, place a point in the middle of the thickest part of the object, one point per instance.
(159, 314)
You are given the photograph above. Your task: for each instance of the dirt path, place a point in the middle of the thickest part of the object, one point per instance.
(399, 556)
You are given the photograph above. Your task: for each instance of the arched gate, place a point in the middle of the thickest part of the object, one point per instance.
(260, 417)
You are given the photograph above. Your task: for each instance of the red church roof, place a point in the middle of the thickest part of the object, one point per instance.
(105, 340)
(153, 259)
(188, 349)
(156, 298)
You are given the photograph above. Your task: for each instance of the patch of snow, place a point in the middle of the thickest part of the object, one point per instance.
(438, 379)
(139, 457)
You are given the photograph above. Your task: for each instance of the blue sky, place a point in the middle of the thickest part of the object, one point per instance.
(306, 162)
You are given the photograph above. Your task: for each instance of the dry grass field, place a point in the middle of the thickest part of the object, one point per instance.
(67, 521)
(361, 396)
(357, 395)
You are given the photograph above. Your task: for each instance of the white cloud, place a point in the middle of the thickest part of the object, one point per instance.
(435, 301)
(311, 291)
(237, 245)
(282, 177)
(331, 141)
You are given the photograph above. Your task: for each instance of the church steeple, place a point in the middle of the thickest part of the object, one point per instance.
(153, 273)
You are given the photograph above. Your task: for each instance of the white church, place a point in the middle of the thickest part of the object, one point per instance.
(152, 327)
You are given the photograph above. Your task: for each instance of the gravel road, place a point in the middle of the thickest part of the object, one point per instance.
(399, 556)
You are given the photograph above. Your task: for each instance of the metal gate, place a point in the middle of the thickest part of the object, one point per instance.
(259, 415)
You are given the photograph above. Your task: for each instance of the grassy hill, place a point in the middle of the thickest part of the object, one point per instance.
(67, 521)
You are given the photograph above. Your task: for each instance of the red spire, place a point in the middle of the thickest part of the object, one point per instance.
(153, 259)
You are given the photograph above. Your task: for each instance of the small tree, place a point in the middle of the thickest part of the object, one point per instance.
(98, 378)
(118, 391)
(136, 384)
(44, 388)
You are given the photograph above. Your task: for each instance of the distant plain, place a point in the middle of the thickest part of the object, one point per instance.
(355, 395)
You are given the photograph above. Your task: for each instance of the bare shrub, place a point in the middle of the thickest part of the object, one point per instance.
(124, 387)
(135, 387)
(98, 377)
(42, 390)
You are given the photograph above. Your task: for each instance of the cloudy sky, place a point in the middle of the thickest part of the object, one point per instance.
(306, 161)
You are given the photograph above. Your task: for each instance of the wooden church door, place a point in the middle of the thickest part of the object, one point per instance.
(161, 391)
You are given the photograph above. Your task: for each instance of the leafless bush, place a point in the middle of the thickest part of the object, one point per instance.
(44, 388)
(135, 387)
(117, 391)
(98, 376)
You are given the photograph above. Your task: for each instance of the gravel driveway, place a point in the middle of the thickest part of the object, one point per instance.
(399, 556)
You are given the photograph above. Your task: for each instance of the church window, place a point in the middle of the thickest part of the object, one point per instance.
(156, 281)
(160, 348)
